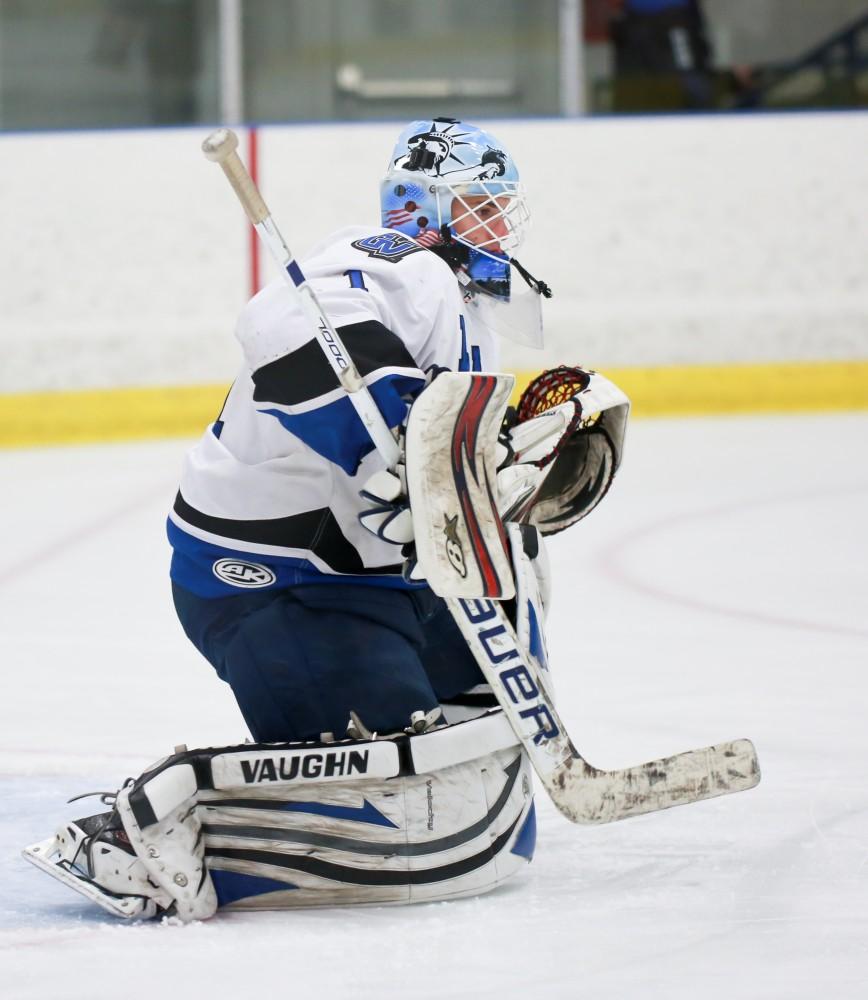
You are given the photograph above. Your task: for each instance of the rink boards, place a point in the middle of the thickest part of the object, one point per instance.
(45, 418)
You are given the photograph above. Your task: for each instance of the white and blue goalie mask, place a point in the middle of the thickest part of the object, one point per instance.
(452, 186)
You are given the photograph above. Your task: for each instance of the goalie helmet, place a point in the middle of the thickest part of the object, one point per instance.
(455, 189)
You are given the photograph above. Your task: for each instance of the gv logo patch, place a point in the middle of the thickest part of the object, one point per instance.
(387, 246)
(238, 573)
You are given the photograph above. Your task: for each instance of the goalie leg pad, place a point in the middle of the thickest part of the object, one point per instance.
(459, 831)
(439, 815)
(433, 816)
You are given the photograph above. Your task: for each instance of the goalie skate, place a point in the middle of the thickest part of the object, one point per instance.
(90, 857)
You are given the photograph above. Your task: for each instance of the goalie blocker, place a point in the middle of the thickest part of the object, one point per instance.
(551, 464)
(408, 818)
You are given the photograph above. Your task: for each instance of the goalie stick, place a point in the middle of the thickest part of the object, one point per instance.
(220, 147)
(582, 793)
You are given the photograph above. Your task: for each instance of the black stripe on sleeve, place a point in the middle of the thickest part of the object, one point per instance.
(305, 373)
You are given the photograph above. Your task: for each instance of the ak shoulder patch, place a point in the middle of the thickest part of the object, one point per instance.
(393, 247)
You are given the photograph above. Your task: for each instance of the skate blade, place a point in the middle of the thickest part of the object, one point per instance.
(46, 856)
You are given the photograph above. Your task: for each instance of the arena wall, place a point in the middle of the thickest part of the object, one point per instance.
(709, 263)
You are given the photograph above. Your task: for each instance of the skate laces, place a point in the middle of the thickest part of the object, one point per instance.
(107, 799)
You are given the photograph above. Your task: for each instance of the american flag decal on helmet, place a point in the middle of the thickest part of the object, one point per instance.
(428, 237)
(398, 216)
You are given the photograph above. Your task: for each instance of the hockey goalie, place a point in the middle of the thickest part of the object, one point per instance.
(381, 625)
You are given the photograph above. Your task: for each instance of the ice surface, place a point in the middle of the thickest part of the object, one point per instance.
(720, 591)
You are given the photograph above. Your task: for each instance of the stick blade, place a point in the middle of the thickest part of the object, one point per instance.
(589, 796)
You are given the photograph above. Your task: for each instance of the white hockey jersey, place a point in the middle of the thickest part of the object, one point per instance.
(269, 497)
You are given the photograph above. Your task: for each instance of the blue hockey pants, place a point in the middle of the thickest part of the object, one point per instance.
(298, 659)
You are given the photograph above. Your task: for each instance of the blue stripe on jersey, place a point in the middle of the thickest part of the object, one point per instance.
(336, 431)
(193, 563)
(471, 362)
(464, 360)
(357, 279)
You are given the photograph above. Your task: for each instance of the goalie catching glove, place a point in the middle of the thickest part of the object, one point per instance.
(562, 447)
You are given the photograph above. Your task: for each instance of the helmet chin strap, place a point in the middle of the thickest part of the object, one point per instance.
(456, 254)
(539, 286)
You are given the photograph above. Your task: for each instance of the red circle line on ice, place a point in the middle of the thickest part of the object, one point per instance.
(611, 563)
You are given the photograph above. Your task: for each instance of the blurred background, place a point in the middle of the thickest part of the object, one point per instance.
(109, 63)
(697, 172)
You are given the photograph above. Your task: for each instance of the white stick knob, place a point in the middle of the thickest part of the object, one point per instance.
(220, 144)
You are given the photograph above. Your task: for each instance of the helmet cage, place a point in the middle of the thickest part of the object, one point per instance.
(468, 206)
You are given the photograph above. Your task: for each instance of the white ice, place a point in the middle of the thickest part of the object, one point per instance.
(719, 592)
